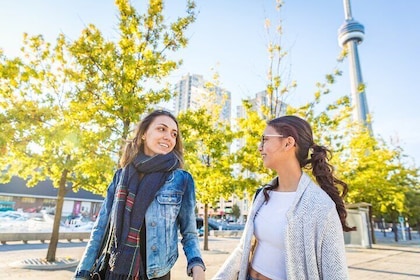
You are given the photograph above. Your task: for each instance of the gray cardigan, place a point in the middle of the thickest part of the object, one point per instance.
(314, 238)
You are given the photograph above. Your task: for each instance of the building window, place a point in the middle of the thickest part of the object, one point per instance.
(28, 200)
(48, 202)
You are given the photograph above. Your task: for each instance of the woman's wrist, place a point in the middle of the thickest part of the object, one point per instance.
(198, 272)
(195, 262)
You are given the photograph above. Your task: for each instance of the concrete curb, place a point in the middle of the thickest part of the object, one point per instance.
(42, 264)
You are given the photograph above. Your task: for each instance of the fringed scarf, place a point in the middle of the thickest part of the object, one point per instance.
(132, 199)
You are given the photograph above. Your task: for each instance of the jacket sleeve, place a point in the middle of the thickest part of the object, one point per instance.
(188, 227)
(99, 227)
(232, 265)
(238, 259)
(333, 260)
(230, 268)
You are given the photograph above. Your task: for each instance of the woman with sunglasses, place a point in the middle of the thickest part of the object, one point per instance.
(295, 226)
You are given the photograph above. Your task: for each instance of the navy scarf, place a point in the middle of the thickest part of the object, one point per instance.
(141, 179)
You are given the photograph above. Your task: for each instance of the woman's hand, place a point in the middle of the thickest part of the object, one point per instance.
(198, 273)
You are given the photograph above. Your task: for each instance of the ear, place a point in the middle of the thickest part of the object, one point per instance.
(290, 142)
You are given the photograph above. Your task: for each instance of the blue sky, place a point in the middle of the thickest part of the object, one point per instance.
(229, 36)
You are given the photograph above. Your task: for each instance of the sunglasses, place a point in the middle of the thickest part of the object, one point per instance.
(264, 138)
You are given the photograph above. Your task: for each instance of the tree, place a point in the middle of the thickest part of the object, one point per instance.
(208, 139)
(332, 127)
(376, 173)
(42, 140)
(125, 79)
(412, 206)
(250, 125)
(236, 211)
(67, 108)
(279, 86)
(278, 83)
(207, 143)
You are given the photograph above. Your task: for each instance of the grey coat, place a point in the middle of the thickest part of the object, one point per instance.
(314, 238)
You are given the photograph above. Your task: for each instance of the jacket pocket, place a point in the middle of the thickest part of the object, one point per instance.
(170, 204)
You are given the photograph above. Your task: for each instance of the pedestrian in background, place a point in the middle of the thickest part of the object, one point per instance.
(150, 200)
(295, 226)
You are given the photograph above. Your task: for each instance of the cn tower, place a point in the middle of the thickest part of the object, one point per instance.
(350, 34)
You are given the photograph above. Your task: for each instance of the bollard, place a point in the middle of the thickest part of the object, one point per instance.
(409, 232)
(395, 231)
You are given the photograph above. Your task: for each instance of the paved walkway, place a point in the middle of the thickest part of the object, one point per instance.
(385, 261)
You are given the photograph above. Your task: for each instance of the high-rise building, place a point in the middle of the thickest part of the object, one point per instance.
(261, 99)
(350, 34)
(193, 92)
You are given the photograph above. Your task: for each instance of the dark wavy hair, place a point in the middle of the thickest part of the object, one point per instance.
(135, 145)
(301, 131)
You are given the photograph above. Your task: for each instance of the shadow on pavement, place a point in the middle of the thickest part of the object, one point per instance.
(384, 272)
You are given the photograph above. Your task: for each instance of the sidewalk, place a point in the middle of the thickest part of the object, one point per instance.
(386, 261)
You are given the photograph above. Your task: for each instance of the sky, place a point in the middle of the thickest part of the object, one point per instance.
(229, 37)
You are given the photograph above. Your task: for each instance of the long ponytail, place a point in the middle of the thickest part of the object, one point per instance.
(323, 173)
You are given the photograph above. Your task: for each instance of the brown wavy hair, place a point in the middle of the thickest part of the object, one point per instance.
(135, 145)
(322, 170)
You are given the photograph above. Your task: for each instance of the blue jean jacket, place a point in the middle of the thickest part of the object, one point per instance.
(172, 209)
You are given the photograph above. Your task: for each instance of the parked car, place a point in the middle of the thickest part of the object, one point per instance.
(223, 225)
(217, 225)
(13, 216)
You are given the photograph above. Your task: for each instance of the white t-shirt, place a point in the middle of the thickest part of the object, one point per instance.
(269, 228)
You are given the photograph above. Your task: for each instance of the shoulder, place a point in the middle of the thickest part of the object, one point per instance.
(182, 173)
(181, 176)
(180, 179)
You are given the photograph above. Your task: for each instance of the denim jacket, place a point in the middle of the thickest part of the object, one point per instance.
(170, 211)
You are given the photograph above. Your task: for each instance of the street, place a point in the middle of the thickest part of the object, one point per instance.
(387, 260)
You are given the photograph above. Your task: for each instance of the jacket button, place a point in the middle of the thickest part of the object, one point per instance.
(154, 248)
(153, 224)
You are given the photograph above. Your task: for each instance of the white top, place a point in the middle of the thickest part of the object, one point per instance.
(314, 238)
(269, 228)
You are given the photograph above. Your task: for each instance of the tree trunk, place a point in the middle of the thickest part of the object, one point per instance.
(206, 227)
(52, 247)
(371, 228)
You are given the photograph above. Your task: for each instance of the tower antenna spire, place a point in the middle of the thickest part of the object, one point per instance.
(347, 10)
(350, 35)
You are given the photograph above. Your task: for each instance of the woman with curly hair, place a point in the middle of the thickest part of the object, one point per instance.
(295, 226)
